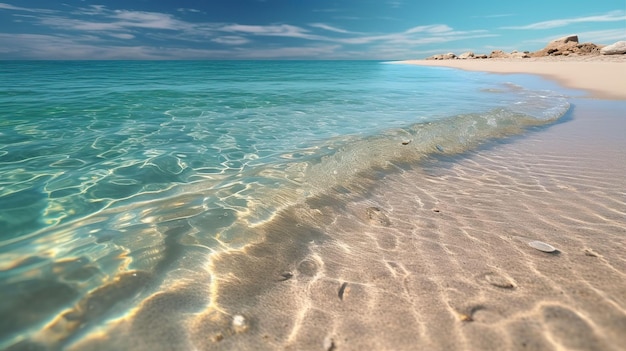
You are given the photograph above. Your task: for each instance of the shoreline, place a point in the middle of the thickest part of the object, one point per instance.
(601, 77)
(438, 254)
(442, 249)
(433, 253)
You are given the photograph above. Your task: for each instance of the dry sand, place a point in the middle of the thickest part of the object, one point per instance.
(601, 76)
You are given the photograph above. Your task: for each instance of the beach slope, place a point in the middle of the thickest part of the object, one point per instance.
(602, 76)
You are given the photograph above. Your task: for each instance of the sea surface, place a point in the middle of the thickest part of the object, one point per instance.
(120, 180)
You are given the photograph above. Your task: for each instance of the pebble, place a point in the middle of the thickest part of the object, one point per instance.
(240, 323)
(541, 246)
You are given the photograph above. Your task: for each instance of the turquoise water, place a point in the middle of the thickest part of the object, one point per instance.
(120, 171)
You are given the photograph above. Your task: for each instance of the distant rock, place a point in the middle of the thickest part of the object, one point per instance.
(563, 42)
(435, 57)
(517, 54)
(499, 54)
(448, 56)
(588, 48)
(565, 46)
(559, 46)
(618, 48)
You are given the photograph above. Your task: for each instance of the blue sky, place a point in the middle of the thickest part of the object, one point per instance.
(293, 29)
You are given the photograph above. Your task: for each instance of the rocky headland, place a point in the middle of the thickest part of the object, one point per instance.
(566, 46)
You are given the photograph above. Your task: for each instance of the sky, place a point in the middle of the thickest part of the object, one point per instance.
(296, 29)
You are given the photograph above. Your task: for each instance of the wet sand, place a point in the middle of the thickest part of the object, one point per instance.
(436, 256)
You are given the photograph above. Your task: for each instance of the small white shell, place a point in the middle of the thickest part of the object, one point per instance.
(240, 324)
(541, 246)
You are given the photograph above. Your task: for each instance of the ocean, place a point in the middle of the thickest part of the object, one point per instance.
(121, 182)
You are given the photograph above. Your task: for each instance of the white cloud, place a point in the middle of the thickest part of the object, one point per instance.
(122, 35)
(612, 16)
(97, 31)
(231, 40)
(437, 28)
(604, 36)
(4, 6)
(152, 20)
(320, 52)
(329, 28)
(280, 30)
(185, 10)
(35, 46)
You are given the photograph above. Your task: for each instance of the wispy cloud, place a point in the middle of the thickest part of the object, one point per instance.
(395, 3)
(432, 29)
(231, 40)
(97, 31)
(603, 36)
(97, 18)
(420, 35)
(612, 16)
(329, 28)
(186, 10)
(4, 6)
(278, 30)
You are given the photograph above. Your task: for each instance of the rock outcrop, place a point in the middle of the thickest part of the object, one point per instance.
(565, 46)
(521, 55)
(498, 54)
(447, 56)
(618, 48)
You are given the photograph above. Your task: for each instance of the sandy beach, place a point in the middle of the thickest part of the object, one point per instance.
(328, 176)
(601, 76)
(441, 253)
(437, 255)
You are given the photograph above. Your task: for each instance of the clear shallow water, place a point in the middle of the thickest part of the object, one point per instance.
(121, 171)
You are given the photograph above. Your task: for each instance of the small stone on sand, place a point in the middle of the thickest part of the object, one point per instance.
(240, 323)
(499, 281)
(329, 344)
(342, 290)
(285, 276)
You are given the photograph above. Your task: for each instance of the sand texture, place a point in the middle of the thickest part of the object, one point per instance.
(433, 256)
(438, 258)
(601, 76)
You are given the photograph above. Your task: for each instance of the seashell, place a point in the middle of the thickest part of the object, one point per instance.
(541, 246)
(240, 323)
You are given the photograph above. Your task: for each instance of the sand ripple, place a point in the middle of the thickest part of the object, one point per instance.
(433, 256)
